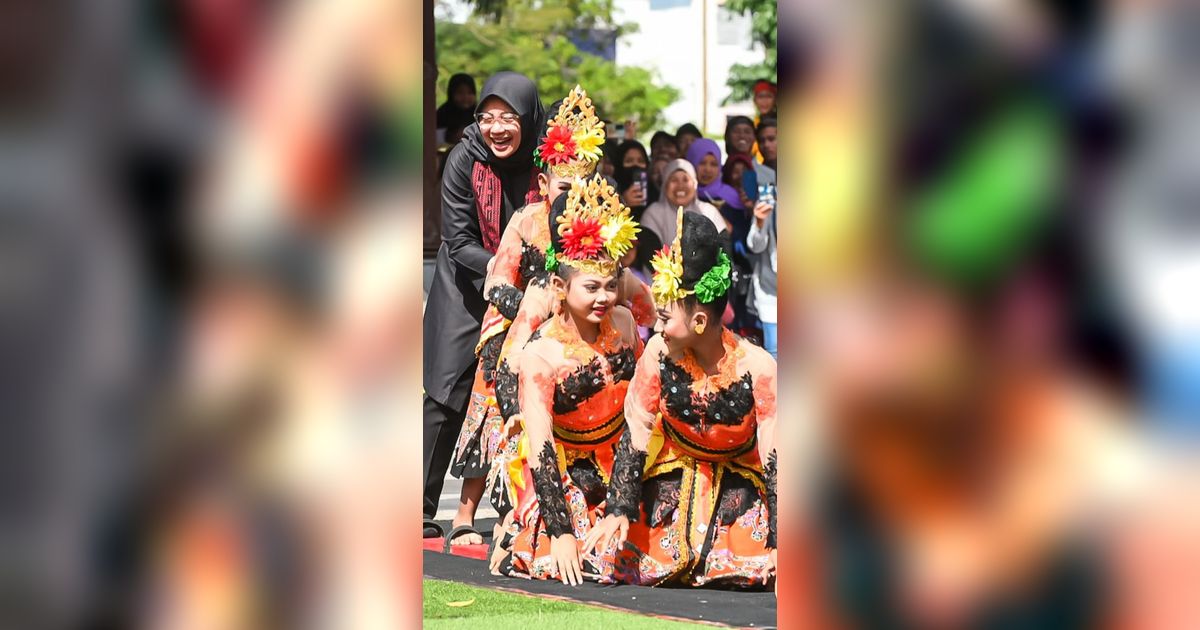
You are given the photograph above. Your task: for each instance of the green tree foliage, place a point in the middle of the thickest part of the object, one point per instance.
(531, 37)
(764, 28)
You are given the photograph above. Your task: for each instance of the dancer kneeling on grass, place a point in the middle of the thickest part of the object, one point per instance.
(701, 414)
(573, 374)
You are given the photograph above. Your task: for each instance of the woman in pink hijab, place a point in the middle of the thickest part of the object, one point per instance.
(679, 189)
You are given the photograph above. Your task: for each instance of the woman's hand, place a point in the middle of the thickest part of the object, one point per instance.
(608, 529)
(634, 196)
(565, 551)
(762, 211)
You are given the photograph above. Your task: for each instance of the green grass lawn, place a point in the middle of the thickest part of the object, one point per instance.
(495, 609)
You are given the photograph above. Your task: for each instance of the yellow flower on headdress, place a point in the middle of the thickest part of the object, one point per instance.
(667, 284)
(594, 223)
(668, 273)
(588, 141)
(618, 232)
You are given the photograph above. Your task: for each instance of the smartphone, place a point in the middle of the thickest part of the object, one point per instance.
(619, 131)
(750, 184)
(766, 194)
(643, 180)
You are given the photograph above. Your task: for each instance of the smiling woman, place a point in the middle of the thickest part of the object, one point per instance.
(500, 125)
(679, 191)
(488, 177)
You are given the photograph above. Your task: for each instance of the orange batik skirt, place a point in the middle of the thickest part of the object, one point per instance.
(481, 436)
(585, 472)
(702, 523)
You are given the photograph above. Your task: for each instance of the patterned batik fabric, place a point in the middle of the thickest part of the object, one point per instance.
(703, 516)
(586, 403)
(519, 269)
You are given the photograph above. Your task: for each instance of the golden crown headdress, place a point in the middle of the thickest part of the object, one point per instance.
(573, 138)
(667, 284)
(595, 229)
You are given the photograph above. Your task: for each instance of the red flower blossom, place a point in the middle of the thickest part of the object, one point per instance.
(582, 239)
(558, 146)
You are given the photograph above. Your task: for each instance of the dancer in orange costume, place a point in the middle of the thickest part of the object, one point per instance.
(574, 374)
(692, 497)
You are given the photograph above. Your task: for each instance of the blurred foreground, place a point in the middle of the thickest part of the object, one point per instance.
(210, 287)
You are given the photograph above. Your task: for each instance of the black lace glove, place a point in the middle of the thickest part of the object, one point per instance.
(489, 355)
(507, 388)
(552, 498)
(507, 299)
(625, 488)
(770, 472)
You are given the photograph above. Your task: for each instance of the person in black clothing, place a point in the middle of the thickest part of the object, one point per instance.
(488, 176)
(685, 136)
(459, 108)
(631, 161)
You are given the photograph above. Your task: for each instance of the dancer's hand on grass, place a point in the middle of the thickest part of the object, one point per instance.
(565, 551)
(608, 529)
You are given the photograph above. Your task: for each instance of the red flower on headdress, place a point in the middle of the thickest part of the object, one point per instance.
(582, 239)
(558, 146)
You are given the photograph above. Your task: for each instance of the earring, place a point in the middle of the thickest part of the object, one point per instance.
(699, 329)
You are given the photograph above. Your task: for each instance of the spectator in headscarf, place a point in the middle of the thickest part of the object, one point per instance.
(764, 100)
(488, 176)
(679, 190)
(459, 109)
(685, 136)
(732, 171)
(705, 156)
(630, 157)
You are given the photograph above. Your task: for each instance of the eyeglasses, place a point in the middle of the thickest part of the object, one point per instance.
(508, 119)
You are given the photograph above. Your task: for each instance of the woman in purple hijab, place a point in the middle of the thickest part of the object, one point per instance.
(705, 155)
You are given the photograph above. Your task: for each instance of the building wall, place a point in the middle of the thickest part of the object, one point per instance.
(669, 40)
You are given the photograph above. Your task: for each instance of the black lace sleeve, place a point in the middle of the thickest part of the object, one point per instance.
(770, 472)
(507, 390)
(507, 299)
(552, 498)
(625, 489)
(489, 355)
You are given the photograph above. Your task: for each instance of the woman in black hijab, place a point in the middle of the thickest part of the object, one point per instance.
(488, 176)
(459, 108)
(631, 161)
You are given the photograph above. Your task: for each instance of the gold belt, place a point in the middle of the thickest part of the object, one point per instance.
(591, 437)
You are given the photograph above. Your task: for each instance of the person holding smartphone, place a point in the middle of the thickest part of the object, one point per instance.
(763, 244)
(632, 163)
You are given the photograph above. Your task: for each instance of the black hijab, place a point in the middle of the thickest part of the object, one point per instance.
(522, 96)
(450, 115)
(515, 170)
(625, 175)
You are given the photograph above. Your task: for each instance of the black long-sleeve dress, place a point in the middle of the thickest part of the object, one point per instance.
(455, 307)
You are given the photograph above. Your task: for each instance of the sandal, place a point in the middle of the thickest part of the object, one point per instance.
(461, 529)
(432, 529)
